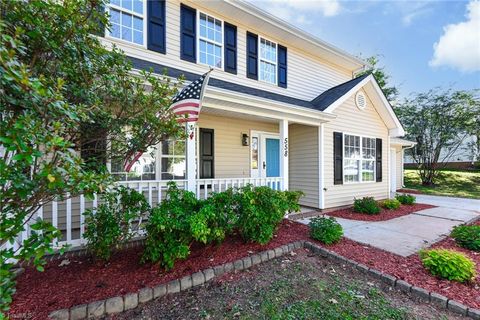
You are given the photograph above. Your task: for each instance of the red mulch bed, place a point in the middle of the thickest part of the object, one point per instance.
(411, 269)
(384, 214)
(411, 191)
(83, 280)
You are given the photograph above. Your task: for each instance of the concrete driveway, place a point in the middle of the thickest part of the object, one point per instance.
(408, 234)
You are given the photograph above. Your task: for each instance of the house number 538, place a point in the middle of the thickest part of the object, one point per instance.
(285, 147)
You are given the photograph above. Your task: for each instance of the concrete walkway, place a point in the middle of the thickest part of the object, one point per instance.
(408, 234)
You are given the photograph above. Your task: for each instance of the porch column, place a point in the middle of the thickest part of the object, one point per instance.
(321, 167)
(190, 157)
(284, 153)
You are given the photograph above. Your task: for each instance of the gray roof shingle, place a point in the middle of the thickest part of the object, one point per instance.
(319, 103)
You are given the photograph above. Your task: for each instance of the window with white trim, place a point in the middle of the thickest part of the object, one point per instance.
(173, 160)
(127, 20)
(359, 158)
(210, 41)
(268, 61)
(142, 169)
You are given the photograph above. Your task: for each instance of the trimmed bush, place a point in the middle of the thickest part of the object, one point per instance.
(467, 237)
(406, 199)
(112, 223)
(261, 209)
(181, 219)
(366, 205)
(391, 204)
(169, 234)
(325, 230)
(448, 264)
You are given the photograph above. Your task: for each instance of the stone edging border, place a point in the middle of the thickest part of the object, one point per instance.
(132, 300)
(427, 296)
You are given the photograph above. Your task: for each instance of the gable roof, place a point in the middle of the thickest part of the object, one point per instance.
(328, 97)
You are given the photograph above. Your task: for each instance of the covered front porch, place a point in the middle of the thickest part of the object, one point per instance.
(238, 140)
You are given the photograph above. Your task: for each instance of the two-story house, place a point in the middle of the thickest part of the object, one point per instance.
(282, 108)
(280, 103)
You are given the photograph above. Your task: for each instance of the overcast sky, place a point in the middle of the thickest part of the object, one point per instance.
(422, 44)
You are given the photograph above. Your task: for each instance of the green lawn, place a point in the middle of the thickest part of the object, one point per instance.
(464, 184)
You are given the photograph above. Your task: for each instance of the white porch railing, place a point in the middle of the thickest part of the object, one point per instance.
(67, 215)
(206, 186)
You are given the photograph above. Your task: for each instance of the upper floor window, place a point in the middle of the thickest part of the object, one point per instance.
(268, 61)
(210, 41)
(127, 19)
(359, 158)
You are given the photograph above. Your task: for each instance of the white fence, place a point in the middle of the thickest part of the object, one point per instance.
(67, 215)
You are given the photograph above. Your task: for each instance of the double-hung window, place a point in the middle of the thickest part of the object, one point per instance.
(210, 41)
(268, 61)
(359, 159)
(173, 162)
(127, 18)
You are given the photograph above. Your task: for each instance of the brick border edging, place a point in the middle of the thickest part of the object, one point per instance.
(427, 296)
(132, 300)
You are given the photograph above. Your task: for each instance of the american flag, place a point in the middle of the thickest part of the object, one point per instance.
(188, 102)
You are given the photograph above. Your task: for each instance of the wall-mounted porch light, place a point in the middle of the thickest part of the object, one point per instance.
(245, 139)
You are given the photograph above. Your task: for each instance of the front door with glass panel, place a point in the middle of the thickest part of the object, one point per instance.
(265, 155)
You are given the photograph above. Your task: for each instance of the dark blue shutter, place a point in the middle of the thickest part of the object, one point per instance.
(252, 56)
(282, 66)
(156, 25)
(188, 18)
(337, 158)
(230, 34)
(378, 159)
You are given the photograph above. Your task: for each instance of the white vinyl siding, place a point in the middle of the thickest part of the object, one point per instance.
(366, 123)
(301, 65)
(303, 162)
(232, 159)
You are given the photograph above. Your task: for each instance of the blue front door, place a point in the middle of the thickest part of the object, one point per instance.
(272, 154)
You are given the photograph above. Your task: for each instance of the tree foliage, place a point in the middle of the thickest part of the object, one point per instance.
(438, 121)
(61, 94)
(382, 77)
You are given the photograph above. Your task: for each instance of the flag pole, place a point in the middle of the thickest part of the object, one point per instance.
(190, 129)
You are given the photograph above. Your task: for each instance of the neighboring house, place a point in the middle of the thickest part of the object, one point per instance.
(282, 108)
(463, 157)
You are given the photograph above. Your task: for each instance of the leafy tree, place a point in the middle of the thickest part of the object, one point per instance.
(61, 94)
(383, 79)
(439, 121)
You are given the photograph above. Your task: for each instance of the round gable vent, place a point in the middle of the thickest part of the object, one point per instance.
(361, 100)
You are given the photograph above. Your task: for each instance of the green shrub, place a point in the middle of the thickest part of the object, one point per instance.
(181, 219)
(448, 264)
(216, 218)
(326, 230)
(391, 204)
(168, 229)
(467, 236)
(261, 209)
(366, 205)
(111, 224)
(406, 198)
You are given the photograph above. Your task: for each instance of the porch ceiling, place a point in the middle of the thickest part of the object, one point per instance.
(237, 105)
